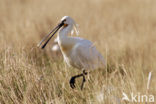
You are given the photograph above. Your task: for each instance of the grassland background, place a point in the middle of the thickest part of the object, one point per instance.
(124, 31)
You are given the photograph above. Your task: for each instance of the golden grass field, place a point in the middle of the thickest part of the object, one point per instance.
(124, 31)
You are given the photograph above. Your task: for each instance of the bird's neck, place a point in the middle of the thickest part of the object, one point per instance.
(65, 41)
(63, 33)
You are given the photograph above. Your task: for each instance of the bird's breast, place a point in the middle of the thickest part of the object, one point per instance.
(66, 48)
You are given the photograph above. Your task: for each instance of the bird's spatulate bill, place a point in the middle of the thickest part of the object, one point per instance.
(46, 37)
(49, 38)
(39, 44)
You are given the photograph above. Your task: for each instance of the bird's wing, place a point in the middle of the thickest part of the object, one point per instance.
(88, 55)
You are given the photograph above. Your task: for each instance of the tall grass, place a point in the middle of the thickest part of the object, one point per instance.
(124, 31)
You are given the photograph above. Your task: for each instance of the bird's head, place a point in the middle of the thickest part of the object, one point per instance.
(66, 20)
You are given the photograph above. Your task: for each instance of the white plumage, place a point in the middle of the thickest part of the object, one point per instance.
(78, 52)
(82, 55)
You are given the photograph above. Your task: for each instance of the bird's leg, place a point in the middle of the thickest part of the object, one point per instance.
(84, 79)
(72, 80)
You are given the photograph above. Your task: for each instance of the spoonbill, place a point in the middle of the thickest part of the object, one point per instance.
(77, 52)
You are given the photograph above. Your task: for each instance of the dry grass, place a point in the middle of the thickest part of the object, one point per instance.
(124, 31)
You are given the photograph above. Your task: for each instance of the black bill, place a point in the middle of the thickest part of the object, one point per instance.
(48, 37)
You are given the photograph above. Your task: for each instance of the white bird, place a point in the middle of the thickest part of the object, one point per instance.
(77, 52)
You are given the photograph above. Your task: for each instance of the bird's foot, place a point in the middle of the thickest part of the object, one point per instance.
(72, 82)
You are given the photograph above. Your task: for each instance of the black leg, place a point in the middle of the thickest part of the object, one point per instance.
(72, 80)
(83, 81)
